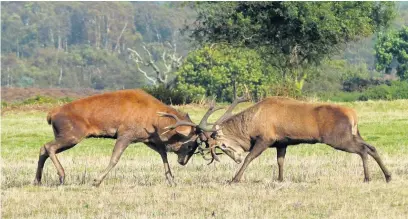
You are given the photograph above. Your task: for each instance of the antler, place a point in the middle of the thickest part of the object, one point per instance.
(228, 113)
(179, 122)
(203, 125)
(214, 155)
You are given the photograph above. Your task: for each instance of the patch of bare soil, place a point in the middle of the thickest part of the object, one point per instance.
(15, 94)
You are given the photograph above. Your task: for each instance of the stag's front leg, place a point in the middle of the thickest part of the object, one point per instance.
(163, 154)
(280, 155)
(167, 170)
(259, 147)
(120, 146)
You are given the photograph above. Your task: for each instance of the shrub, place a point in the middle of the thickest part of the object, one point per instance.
(341, 96)
(391, 91)
(45, 100)
(360, 84)
(171, 96)
(397, 90)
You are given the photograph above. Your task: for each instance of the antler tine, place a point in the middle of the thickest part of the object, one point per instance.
(228, 113)
(201, 152)
(214, 156)
(178, 121)
(204, 123)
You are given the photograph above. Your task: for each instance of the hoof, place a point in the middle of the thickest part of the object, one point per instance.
(388, 178)
(96, 183)
(37, 183)
(171, 183)
(233, 181)
(367, 180)
(62, 180)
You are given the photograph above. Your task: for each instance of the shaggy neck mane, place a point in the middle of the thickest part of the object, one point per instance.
(238, 127)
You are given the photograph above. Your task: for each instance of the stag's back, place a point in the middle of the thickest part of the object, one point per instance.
(105, 114)
(279, 117)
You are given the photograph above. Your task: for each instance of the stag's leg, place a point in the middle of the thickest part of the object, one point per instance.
(353, 146)
(50, 150)
(41, 160)
(372, 151)
(120, 146)
(280, 154)
(363, 155)
(259, 147)
(167, 171)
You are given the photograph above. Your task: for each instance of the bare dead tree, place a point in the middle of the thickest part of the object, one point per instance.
(170, 58)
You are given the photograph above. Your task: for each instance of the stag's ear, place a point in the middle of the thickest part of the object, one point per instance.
(185, 131)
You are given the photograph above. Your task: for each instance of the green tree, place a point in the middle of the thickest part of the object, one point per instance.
(392, 52)
(224, 72)
(293, 35)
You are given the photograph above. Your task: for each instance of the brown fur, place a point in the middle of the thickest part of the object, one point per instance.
(279, 122)
(127, 115)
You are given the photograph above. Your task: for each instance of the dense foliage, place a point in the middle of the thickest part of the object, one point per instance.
(392, 52)
(224, 72)
(83, 44)
(292, 37)
(268, 48)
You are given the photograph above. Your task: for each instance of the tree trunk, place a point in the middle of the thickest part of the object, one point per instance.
(60, 77)
(52, 37)
(234, 86)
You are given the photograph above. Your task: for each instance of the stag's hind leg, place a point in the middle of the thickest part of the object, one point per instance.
(353, 144)
(50, 150)
(40, 166)
(372, 151)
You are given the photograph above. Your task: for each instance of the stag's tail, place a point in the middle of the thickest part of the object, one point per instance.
(51, 114)
(360, 139)
(370, 147)
(49, 120)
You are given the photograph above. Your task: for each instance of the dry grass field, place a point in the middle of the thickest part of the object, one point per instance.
(320, 182)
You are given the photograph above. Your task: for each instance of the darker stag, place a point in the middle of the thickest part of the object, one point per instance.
(128, 116)
(279, 122)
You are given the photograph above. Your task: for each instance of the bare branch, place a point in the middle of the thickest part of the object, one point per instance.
(170, 59)
(120, 36)
(138, 59)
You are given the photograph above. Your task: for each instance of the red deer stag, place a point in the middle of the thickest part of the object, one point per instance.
(127, 116)
(279, 122)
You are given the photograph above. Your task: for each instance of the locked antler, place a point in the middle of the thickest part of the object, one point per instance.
(178, 123)
(228, 113)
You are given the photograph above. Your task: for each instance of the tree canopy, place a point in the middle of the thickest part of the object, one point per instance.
(392, 52)
(300, 32)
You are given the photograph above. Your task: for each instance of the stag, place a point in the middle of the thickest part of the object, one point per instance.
(279, 122)
(128, 116)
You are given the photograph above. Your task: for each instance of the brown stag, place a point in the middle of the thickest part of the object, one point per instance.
(128, 116)
(279, 122)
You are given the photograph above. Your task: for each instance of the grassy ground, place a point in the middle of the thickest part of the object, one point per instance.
(319, 181)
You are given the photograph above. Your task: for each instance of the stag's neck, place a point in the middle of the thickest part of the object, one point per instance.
(238, 129)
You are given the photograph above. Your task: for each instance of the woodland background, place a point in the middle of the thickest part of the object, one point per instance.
(342, 51)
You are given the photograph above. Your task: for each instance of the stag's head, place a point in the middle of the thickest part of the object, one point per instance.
(206, 135)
